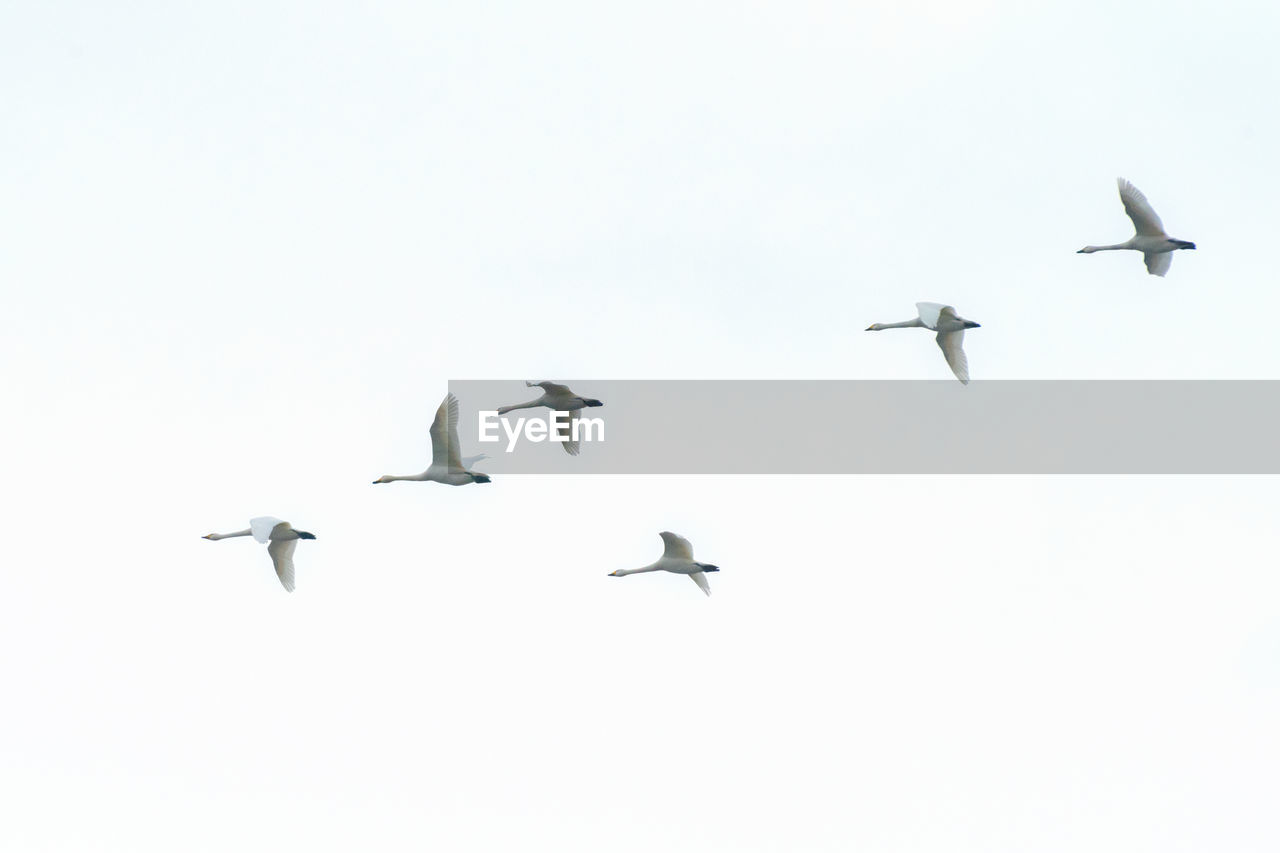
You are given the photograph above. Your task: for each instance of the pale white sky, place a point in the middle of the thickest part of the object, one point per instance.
(246, 246)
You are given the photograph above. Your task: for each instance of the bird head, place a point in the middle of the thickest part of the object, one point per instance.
(874, 327)
(385, 478)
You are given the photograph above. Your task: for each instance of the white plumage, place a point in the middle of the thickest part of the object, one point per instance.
(558, 398)
(950, 328)
(446, 466)
(1150, 238)
(281, 540)
(677, 557)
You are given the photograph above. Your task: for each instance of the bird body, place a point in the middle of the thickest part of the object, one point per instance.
(677, 557)
(1150, 238)
(281, 540)
(950, 328)
(446, 464)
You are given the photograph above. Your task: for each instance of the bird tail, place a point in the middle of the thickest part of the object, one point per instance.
(707, 567)
(479, 478)
(591, 404)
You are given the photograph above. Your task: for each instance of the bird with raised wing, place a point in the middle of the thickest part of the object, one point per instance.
(558, 398)
(280, 539)
(1156, 246)
(677, 557)
(950, 328)
(446, 463)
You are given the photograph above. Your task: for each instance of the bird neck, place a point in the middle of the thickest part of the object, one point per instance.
(905, 324)
(650, 568)
(230, 535)
(502, 410)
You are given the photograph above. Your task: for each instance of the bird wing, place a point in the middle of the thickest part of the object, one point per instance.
(701, 580)
(931, 311)
(444, 435)
(676, 546)
(281, 551)
(550, 387)
(1158, 262)
(261, 527)
(1140, 211)
(571, 446)
(952, 344)
(468, 461)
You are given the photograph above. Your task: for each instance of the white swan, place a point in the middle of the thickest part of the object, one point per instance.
(560, 399)
(1156, 246)
(446, 467)
(677, 556)
(282, 538)
(950, 328)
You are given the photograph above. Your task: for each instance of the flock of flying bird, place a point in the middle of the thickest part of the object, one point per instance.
(448, 466)
(1150, 239)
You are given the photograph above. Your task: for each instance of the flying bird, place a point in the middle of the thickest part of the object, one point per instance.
(1157, 247)
(446, 466)
(950, 328)
(677, 557)
(281, 539)
(560, 399)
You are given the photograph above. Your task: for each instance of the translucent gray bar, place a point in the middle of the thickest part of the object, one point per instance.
(894, 427)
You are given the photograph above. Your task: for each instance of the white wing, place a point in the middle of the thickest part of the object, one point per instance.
(281, 552)
(930, 311)
(468, 461)
(676, 546)
(1139, 209)
(701, 580)
(552, 388)
(444, 435)
(947, 313)
(1158, 262)
(571, 446)
(952, 344)
(261, 527)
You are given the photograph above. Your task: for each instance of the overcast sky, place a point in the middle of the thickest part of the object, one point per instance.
(245, 246)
